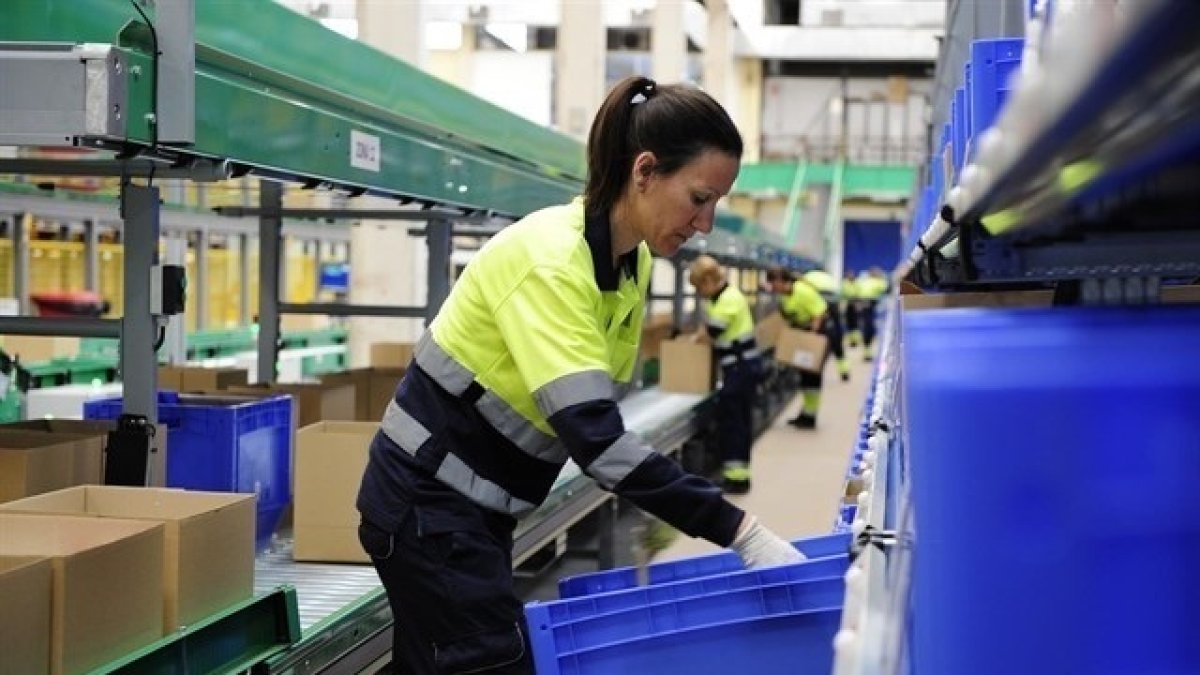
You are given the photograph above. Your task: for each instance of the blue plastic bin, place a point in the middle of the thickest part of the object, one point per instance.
(992, 65)
(659, 636)
(959, 128)
(688, 568)
(1055, 462)
(225, 444)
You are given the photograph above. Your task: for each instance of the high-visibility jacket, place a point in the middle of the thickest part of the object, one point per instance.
(871, 287)
(825, 283)
(849, 290)
(802, 305)
(731, 326)
(521, 370)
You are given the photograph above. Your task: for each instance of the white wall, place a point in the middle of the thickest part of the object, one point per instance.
(519, 83)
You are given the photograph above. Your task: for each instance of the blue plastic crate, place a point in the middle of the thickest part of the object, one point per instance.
(225, 444)
(992, 65)
(552, 635)
(687, 634)
(688, 568)
(1054, 463)
(787, 644)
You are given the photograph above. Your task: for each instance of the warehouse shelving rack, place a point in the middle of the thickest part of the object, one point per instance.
(1098, 205)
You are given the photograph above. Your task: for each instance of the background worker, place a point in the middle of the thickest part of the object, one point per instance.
(849, 302)
(830, 289)
(521, 369)
(871, 286)
(803, 308)
(729, 326)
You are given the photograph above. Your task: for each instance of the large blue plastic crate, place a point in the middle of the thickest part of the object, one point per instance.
(992, 65)
(688, 568)
(660, 635)
(226, 444)
(1073, 432)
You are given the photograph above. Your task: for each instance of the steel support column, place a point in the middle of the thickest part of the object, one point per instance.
(269, 243)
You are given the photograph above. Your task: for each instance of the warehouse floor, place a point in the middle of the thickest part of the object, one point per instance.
(798, 481)
(799, 474)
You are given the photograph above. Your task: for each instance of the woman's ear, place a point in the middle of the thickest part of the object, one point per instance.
(643, 169)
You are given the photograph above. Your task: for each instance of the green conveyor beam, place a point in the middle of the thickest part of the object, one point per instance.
(279, 94)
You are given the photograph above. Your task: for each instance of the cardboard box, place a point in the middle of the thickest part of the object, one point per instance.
(32, 463)
(34, 349)
(655, 330)
(802, 349)
(373, 388)
(330, 459)
(209, 379)
(973, 299)
(25, 587)
(685, 366)
(208, 538)
(314, 402)
(766, 332)
(98, 429)
(170, 378)
(392, 354)
(90, 435)
(106, 583)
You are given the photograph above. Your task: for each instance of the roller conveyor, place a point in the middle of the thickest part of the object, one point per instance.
(344, 616)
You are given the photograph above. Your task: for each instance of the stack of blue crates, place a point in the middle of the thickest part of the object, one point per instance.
(225, 444)
(1055, 459)
(695, 616)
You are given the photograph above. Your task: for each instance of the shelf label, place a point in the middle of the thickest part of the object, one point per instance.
(364, 151)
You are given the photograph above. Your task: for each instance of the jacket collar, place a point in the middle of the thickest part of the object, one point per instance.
(599, 240)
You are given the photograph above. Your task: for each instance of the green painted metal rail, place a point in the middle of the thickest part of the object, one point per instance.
(279, 94)
(887, 182)
(231, 641)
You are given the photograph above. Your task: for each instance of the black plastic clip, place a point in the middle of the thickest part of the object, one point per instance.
(947, 214)
(877, 426)
(870, 536)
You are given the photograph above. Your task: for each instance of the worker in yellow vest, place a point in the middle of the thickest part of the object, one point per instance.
(871, 285)
(522, 369)
(804, 309)
(829, 288)
(849, 302)
(729, 326)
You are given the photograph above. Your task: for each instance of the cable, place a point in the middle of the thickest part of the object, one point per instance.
(153, 75)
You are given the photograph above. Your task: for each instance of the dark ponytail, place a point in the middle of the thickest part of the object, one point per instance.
(676, 122)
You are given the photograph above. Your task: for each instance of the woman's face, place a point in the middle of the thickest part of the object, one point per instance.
(670, 209)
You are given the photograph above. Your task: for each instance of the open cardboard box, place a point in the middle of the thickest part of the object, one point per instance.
(330, 460)
(106, 584)
(392, 354)
(33, 462)
(89, 433)
(25, 606)
(315, 402)
(373, 388)
(208, 538)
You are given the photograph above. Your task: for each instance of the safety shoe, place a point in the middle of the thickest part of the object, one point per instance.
(804, 421)
(731, 486)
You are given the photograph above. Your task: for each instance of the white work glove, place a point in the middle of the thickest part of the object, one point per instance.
(760, 547)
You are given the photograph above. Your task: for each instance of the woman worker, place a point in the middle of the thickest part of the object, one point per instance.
(522, 368)
(729, 325)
